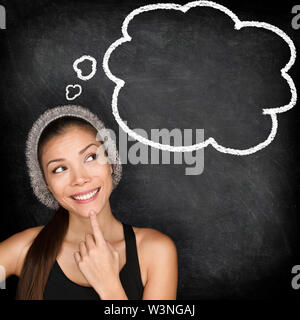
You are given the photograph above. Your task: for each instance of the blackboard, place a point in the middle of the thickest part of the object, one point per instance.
(235, 223)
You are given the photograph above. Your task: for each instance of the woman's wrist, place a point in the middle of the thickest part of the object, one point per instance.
(114, 291)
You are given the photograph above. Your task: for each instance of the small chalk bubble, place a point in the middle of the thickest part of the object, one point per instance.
(68, 87)
(79, 71)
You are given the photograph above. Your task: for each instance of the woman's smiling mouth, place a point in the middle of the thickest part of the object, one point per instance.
(84, 197)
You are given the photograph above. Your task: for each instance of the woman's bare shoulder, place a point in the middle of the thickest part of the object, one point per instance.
(19, 244)
(27, 236)
(149, 236)
(152, 241)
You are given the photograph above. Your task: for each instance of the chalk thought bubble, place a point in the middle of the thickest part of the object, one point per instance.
(79, 71)
(68, 97)
(238, 24)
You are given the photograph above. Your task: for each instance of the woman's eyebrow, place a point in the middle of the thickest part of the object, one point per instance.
(80, 152)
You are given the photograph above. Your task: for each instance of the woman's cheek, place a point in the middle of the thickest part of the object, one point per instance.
(99, 170)
(59, 183)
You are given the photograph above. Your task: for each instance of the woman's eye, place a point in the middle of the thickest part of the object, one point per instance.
(94, 156)
(56, 170)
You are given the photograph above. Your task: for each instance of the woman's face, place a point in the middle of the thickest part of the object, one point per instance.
(71, 167)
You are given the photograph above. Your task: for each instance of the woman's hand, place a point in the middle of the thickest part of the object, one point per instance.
(97, 259)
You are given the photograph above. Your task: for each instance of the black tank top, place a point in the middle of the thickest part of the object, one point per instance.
(59, 287)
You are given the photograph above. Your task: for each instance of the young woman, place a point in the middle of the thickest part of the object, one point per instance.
(84, 252)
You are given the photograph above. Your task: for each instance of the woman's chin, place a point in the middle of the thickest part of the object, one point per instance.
(85, 212)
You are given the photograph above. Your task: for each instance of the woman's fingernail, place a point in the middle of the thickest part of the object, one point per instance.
(92, 212)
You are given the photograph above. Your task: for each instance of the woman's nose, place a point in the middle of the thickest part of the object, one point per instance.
(80, 176)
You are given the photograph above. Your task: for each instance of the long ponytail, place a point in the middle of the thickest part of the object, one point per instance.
(41, 256)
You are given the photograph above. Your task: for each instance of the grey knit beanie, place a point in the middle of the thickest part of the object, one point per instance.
(37, 181)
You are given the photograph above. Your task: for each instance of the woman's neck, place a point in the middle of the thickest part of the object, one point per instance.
(79, 226)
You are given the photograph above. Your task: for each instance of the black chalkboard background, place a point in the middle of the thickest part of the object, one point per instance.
(236, 225)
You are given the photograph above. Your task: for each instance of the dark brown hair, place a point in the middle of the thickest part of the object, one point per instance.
(43, 251)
